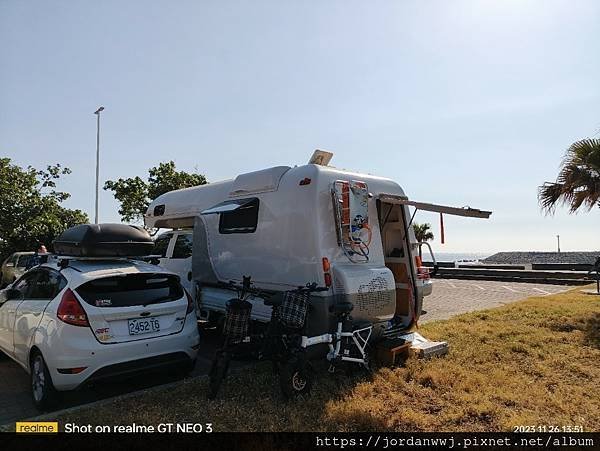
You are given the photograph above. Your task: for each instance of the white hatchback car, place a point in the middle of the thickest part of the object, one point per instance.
(85, 320)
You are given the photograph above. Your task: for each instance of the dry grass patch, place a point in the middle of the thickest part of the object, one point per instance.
(534, 362)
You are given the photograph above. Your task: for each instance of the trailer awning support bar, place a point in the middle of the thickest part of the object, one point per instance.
(456, 211)
(412, 217)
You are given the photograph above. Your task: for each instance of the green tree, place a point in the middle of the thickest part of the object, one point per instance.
(578, 182)
(30, 207)
(135, 194)
(422, 233)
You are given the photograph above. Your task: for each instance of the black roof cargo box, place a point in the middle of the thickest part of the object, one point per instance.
(104, 240)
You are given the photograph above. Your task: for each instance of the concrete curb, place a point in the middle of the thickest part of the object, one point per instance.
(495, 276)
(101, 402)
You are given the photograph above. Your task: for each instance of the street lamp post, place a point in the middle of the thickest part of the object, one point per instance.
(97, 113)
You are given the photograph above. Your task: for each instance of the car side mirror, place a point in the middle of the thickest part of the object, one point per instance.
(12, 294)
(4, 295)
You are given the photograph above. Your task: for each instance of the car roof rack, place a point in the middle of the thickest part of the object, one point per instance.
(64, 261)
(103, 241)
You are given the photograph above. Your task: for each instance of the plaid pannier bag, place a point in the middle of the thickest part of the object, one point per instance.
(293, 309)
(237, 319)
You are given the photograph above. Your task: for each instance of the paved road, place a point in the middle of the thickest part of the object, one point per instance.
(450, 297)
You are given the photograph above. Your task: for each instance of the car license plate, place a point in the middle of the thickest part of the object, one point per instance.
(143, 326)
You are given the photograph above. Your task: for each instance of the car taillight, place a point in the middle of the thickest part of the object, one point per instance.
(423, 273)
(418, 261)
(326, 269)
(70, 310)
(190, 307)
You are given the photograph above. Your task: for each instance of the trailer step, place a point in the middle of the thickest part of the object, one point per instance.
(391, 349)
(423, 348)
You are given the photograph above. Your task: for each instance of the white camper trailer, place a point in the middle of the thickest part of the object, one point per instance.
(286, 227)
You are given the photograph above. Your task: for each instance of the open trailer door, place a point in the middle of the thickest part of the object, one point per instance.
(410, 286)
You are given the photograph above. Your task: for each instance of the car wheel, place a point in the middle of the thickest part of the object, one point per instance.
(42, 389)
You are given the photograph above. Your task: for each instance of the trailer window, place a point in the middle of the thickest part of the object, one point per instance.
(241, 220)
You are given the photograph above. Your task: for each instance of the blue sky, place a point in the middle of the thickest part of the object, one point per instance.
(463, 103)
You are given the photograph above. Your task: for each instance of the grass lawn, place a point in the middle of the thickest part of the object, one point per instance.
(534, 362)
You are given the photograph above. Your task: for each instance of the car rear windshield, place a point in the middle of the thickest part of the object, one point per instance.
(131, 290)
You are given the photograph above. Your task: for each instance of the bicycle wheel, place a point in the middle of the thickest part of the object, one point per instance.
(296, 378)
(218, 372)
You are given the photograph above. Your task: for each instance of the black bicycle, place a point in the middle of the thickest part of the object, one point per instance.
(281, 342)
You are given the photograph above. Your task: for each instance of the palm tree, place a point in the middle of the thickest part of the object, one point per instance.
(422, 233)
(578, 182)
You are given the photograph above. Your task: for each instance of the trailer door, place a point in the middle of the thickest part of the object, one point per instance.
(401, 254)
(398, 255)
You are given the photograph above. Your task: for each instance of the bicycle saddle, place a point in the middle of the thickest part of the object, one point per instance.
(276, 300)
(341, 307)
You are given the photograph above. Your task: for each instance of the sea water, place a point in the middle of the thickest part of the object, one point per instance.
(454, 256)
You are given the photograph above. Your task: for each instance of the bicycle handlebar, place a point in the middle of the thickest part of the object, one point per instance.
(246, 288)
(309, 288)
